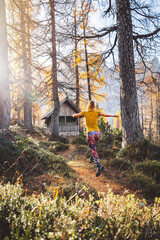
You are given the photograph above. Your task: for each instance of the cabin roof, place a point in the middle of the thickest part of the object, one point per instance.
(72, 105)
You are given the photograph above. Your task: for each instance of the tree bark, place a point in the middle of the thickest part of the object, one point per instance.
(87, 62)
(76, 64)
(5, 107)
(131, 129)
(27, 73)
(55, 115)
(158, 114)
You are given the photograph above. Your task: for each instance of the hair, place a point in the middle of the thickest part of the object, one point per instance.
(91, 105)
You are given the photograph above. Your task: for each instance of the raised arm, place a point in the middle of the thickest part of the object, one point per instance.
(107, 115)
(77, 115)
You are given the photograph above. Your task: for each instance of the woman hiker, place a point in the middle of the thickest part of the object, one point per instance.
(91, 115)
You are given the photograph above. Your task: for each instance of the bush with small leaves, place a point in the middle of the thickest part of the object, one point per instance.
(79, 140)
(121, 164)
(54, 217)
(149, 168)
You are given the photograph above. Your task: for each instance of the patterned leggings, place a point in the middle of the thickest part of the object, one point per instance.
(93, 137)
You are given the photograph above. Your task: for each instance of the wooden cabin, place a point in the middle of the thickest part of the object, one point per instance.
(67, 124)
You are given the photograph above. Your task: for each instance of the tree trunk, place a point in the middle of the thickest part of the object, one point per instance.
(27, 74)
(131, 129)
(76, 64)
(158, 115)
(55, 115)
(86, 58)
(5, 107)
(151, 119)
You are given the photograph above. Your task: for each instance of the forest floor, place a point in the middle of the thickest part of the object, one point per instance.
(86, 172)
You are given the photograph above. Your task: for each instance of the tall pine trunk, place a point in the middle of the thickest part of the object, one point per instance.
(55, 115)
(5, 107)
(131, 129)
(27, 72)
(158, 114)
(86, 58)
(76, 64)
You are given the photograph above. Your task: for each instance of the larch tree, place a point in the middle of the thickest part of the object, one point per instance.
(76, 59)
(25, 46)
(135, 35)
(131, 129)
(57, 71)
(90, 60)
(148, 91)
(86, 56)
(55, 115)
(20, 27)
(16, 72)
(4, 72)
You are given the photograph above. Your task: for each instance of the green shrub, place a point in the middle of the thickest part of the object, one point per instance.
(59, 139)
(23, 155)
(150, 168)
(110, 136)
(48, 161)
(79, 140)
(53, 146)
(7, 149)
(82, 150)
(140, 181)
(103, 126)
(140, 151)
(121, 164)
(105, 152)
(4, 155)
(153, 152)
(54, 217)
(45, 143)
(58, 146)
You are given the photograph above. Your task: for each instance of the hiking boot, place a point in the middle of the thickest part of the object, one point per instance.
(91, 160)
(99, 170)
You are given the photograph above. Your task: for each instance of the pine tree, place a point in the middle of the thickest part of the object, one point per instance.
(4, 72)
(131, 129)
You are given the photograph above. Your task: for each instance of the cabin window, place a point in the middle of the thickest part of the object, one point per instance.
(61, 121)
(70, 120)
(48, 121)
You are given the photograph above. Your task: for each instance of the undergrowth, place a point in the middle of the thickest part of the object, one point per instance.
(54, 217)
(67, 209)
(22, 156)
(137, 166)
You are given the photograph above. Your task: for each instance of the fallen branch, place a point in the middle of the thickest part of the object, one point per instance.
(75, 195)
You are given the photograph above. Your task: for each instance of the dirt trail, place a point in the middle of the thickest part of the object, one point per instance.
(87, 171)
